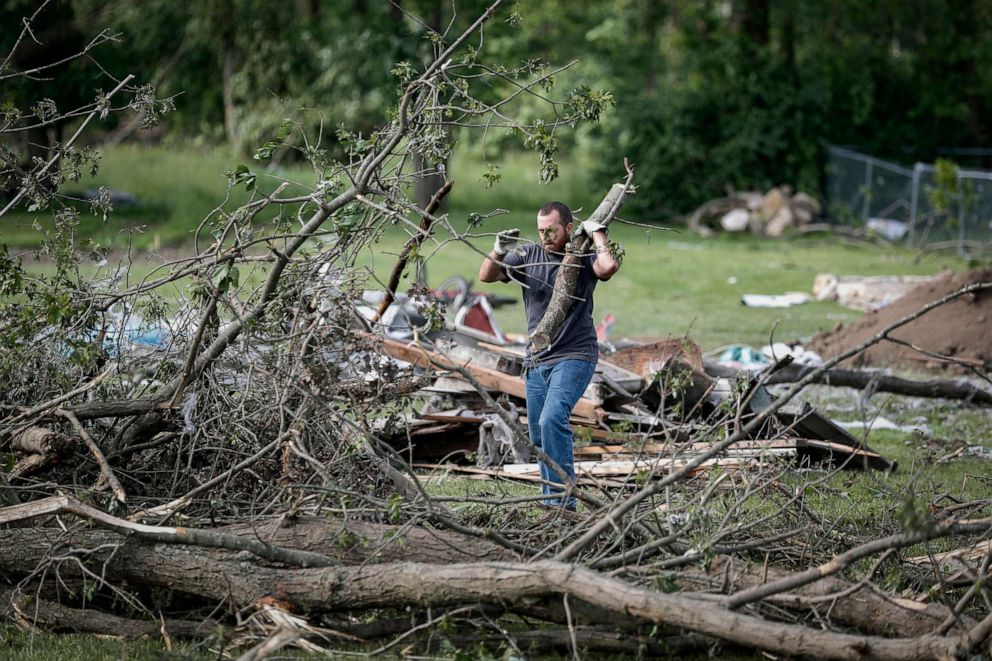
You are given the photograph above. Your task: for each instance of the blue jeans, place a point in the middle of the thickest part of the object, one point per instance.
(552, 391)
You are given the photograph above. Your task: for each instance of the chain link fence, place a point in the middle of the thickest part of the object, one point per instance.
(925, 205)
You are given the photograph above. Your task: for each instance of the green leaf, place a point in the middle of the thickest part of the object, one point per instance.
(285, 128)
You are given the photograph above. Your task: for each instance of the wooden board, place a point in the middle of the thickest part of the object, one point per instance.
(487, 377)
(647, 359)
(658, 465)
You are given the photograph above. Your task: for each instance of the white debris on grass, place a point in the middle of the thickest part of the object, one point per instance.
(880, 423)
(775, 300)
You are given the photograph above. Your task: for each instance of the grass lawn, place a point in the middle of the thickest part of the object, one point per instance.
(175, 189)
(17, 645)
(677, 284)
(671, 282)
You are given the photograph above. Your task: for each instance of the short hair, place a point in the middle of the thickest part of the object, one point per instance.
(563, 211)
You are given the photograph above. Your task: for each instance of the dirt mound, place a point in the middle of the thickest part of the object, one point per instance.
(961, 329)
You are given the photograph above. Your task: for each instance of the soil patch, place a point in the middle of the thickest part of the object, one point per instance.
(961, 329)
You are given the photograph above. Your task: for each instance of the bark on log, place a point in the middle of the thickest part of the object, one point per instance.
(346, 542)
(40, 440)
(42, 445)
(162, 534)
(943, 388)
(568, 274)
(218, 576)
(358, 542)
(586, 639)
(25, 610)
(864, 609)
(141, 429)
(122, 408)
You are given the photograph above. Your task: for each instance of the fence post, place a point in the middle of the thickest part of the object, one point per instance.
(914, 203)
(866, 208)
(961, 233)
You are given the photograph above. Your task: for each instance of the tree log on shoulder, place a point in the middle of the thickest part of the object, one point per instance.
(568, 274)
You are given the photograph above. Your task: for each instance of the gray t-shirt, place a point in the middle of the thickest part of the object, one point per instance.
(537, 269)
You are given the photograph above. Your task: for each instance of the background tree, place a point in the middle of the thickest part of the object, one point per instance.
(263, 405)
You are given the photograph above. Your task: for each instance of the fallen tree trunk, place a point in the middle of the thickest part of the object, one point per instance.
(357, 542)
(345, 542)
(31, 611)
(219, 576)
(42, 446)
(943, 388)
(850, 604)
(162, 534)
(584, 639)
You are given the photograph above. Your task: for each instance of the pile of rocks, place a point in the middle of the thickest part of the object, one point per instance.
(770, 213)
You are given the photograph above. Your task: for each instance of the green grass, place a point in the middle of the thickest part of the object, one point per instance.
(178, 185)
(676, 284)
(671, 283)
(18, 645)
(175, 188)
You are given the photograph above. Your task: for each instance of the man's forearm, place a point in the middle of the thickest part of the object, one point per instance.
(605, 264)
(491, 271)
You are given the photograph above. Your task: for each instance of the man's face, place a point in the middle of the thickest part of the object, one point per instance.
(552, 234)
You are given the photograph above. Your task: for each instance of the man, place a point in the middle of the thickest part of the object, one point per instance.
(556, 376)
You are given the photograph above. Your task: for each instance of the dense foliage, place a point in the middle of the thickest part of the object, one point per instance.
(709, 94)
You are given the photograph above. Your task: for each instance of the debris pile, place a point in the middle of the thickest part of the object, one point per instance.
(867, 293)
(857, 292)
(770, 214)
(645, 412)
(956, 333)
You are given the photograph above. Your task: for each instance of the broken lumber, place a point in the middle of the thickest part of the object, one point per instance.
(487, 377)
(616, 468)
(953, 564)
(674, 366)
(813, 427)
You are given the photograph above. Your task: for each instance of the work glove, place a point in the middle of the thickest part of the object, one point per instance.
(506, 241)
(587, 227)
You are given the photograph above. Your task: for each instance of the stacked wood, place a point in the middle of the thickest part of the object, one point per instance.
(770, 213)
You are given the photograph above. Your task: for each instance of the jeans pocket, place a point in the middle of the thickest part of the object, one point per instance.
(576, 377)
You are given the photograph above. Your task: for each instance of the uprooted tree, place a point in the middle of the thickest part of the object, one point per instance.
(235, 475)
